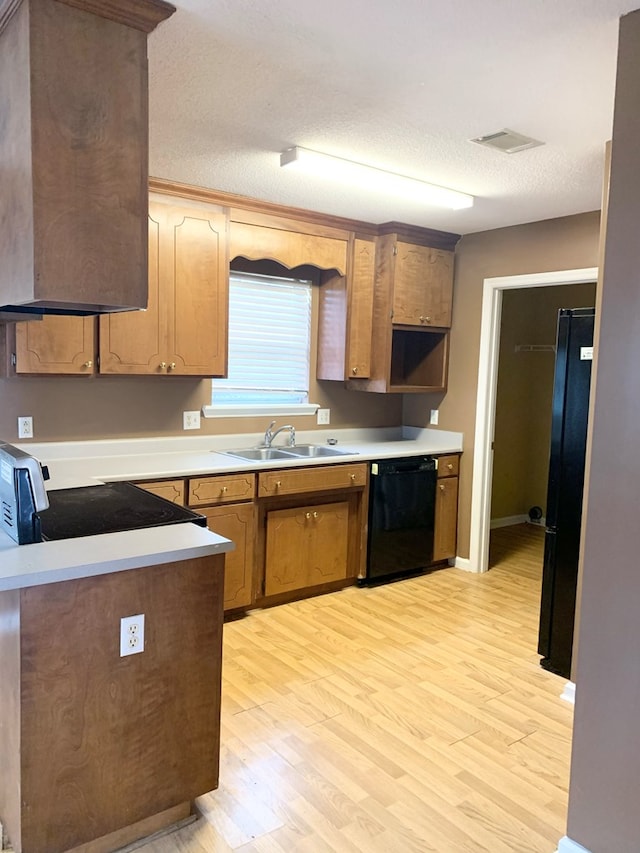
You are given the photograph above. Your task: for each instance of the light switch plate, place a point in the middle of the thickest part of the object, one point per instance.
(433, 420)
(323, 416)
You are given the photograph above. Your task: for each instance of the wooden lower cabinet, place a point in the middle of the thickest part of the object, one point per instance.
(446, 520)
(236, 522)
(306, 546)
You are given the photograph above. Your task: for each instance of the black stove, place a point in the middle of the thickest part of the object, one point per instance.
(108, 508)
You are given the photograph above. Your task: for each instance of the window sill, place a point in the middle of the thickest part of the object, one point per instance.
(267, 410)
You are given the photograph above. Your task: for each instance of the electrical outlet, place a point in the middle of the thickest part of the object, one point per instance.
(191, 420)
(25, 427)
(131, 635)
(323, 416)
(434, 417)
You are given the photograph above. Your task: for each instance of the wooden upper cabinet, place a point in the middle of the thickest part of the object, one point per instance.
(422, 285)
(183, 332)
(58, 345)
(345, 325)
(290, 248)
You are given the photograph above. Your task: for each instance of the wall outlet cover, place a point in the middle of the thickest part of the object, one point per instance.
(191, 420)
(131, 635)
(433, 420)
(25, 427)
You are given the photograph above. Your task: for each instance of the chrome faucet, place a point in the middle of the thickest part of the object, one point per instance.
(270, 435)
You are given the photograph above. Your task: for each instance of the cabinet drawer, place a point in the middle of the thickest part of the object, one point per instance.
(326, 478)
(448, 466)
(216, 490)
(172, 490)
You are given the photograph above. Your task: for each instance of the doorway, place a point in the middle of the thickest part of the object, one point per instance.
(492, 303)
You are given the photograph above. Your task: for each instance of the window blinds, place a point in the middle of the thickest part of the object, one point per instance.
(269, 341)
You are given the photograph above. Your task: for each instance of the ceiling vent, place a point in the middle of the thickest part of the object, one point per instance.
(507, 141)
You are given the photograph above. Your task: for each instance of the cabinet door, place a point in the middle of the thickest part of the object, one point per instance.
(360, 310)
(56, 345)
(422, 286)
(306, 546)
(236, 522)
(198, 294)
(135, 342)
(285, 562)
(446, 520)
(327, 544)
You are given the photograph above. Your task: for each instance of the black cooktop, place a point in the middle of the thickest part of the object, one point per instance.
(108, 508)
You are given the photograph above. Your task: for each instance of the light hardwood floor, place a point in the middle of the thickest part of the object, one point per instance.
(410, 717)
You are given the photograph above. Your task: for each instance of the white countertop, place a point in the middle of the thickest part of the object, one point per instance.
(84, 463)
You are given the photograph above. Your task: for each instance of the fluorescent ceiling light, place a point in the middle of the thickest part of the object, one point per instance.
(370, 178)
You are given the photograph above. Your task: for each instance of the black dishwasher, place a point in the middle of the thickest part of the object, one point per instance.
(401, 517)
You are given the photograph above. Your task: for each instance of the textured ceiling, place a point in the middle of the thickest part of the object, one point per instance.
(400, 85)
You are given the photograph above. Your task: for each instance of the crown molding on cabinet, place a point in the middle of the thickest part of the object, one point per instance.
(142, 15)
(411, 233)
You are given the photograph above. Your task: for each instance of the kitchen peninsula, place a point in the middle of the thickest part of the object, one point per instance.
(99, 749)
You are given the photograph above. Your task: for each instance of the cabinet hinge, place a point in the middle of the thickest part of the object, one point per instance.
(97, 361)
(14, 360)
(395, 250)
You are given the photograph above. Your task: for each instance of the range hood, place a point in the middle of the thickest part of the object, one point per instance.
(74, 155)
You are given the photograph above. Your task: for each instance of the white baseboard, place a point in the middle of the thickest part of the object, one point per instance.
(566, 845)
(508, 520)
(569, 693)
(462, 563)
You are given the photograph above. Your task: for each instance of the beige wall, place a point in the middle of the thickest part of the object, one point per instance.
(136, 406)
(523, 400)
(605, 772)
(558, 244)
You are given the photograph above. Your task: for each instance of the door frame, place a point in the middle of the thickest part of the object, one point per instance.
(486, 400)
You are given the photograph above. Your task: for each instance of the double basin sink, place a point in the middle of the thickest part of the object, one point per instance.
(297, 451)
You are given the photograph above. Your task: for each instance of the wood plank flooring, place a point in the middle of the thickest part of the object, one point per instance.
(413, 717)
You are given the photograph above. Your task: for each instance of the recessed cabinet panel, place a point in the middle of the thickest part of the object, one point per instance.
(236, 522)
(132, 342)
(446, 520)
(200, 294)
(171, 490)
(360, 324)
(56, 345)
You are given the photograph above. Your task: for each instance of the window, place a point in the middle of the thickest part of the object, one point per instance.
(269, 342)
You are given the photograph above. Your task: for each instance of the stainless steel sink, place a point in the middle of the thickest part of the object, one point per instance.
(315, 450)
(301, 451)
(259, 453)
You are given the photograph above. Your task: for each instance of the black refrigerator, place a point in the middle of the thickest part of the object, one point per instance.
(569, 414)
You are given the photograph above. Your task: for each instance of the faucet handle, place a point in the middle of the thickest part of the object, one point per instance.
(268, 435)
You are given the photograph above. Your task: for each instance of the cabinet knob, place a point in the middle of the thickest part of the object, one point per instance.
(307, 515)
(223, 490)
(426, 319)
(163, 365)
(354, 370)
(315, 514)
(172, 366)
(450, 466)
(88, 363)
(278, 483)
(442, 487)
(353, 476)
